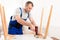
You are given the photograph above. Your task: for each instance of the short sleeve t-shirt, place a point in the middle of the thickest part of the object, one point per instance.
(18, 12)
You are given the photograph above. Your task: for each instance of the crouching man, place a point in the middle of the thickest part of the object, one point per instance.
(19, 19)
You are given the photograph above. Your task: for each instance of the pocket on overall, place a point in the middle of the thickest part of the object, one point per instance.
(14, 27)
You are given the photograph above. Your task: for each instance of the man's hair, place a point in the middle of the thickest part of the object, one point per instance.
(29, 2)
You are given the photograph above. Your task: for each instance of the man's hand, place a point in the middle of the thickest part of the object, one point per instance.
(32, 27)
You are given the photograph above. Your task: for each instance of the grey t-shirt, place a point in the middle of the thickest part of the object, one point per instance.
(18, 12)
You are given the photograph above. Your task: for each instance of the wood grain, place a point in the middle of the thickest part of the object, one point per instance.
(48, 22)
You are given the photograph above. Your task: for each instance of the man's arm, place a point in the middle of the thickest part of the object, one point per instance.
(32, 21)
(23, 22)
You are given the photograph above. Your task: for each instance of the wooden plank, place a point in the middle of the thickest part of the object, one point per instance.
(40, 33)
(3, 19)
(47, 26)
(41, 20)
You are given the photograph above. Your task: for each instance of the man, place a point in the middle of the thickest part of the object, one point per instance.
(19, 19)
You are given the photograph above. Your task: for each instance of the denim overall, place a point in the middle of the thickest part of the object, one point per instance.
(14, 27)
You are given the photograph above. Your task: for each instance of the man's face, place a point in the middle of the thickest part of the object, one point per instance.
(29, 8)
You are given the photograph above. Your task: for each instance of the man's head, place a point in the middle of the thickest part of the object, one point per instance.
(28, 6)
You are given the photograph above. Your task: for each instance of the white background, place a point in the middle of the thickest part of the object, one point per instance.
(11, 5)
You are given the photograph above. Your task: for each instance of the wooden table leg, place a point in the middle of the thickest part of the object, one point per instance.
(47, 26)
(41, 23)
(3, 19)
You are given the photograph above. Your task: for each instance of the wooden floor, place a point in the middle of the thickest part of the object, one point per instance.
(25, 37)
(28, 37)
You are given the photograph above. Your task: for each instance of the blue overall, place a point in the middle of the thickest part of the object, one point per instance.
(14, 27)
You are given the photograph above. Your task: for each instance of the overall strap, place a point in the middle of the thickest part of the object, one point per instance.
(20, 15)
(28, 15)
(20, 12)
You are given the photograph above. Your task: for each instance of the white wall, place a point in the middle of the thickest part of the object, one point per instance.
(11, 5)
